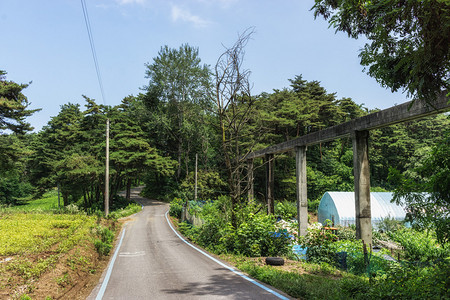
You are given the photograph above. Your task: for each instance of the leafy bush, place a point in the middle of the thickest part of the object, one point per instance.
(255, 234)
(346, 233)
(258, 236)
(419, 246)
(286, 210)
(313, 205)
(103, 243)
(176, 206)
(412, 282)
(318, 242)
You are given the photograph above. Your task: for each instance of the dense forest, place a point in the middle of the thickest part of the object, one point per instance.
(188, 109)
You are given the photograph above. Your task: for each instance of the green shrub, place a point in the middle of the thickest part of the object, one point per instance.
(255, 234)
(412, 282)
(313, 205)
(103, 244)
(346, 233)
(258, 236)
(419, 246)
(319, 244)
(176, 207)
(286, 210)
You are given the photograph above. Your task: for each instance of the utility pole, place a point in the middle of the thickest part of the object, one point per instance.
(107, 170)
(59, 206)
(196, 162)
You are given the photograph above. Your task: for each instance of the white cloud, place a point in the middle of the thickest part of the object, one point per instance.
(181, 14)
(125, 2)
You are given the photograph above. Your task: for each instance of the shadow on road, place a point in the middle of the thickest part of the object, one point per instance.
(229, 285)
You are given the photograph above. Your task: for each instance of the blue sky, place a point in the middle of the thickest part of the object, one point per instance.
(46, 42)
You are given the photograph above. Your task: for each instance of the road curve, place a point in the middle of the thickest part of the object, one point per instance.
(152, 262)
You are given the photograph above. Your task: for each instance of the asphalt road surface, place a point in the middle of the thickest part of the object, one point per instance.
(152, 262)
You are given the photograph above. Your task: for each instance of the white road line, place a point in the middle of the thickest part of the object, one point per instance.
(224, 265)
(110, 267)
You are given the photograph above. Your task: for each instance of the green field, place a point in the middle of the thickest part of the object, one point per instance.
(33, 233)
(48, 202)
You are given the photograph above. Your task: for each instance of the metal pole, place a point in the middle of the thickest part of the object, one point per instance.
(196, 162)
(107, 170)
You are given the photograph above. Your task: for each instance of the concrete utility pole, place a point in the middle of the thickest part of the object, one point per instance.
(269, 158)
(107, 170)
(301, 187)
(362, 186)
(59, 206)
(196, 163)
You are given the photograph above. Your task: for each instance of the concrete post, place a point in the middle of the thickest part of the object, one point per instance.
(301, 187)
(362, 186)
(251, 188)
(269, 183)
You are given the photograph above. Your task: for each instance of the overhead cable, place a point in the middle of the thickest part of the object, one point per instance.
(94, 54)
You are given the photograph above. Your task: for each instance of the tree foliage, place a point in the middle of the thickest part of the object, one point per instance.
(408, 44)
(175, 97)
(426, 190)
(13, 106)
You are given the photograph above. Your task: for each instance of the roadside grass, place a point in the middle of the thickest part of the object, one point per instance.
(129, 210)
(48, 202)
(298, 279)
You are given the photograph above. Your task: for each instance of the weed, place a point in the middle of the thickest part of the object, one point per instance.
(64, 280)
(103, 243)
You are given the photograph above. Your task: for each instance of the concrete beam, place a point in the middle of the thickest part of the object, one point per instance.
(400, 113)
(361, 171)
(269, 159)
(301, 187)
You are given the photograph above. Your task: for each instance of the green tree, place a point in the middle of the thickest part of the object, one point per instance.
(408, 44)
(13, 106)
(176, 95)
(130, 153)
(59, 139)
(426, 191)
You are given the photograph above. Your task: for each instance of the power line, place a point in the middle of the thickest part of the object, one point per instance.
(94, 54)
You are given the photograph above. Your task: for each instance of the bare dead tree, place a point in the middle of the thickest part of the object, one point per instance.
(234, 106)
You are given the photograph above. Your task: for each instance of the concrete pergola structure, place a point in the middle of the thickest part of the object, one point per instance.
(358, 129)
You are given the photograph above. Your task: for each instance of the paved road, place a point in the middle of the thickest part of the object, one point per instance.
(154, 263)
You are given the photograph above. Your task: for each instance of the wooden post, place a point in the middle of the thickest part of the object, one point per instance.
(269, 184)
(301, 187)
(107, 170)
(251, 187)
(362, 186)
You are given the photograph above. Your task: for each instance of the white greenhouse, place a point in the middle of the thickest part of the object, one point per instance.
(339, 207)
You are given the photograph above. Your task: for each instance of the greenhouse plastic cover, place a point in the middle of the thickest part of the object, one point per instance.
(340, 208)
